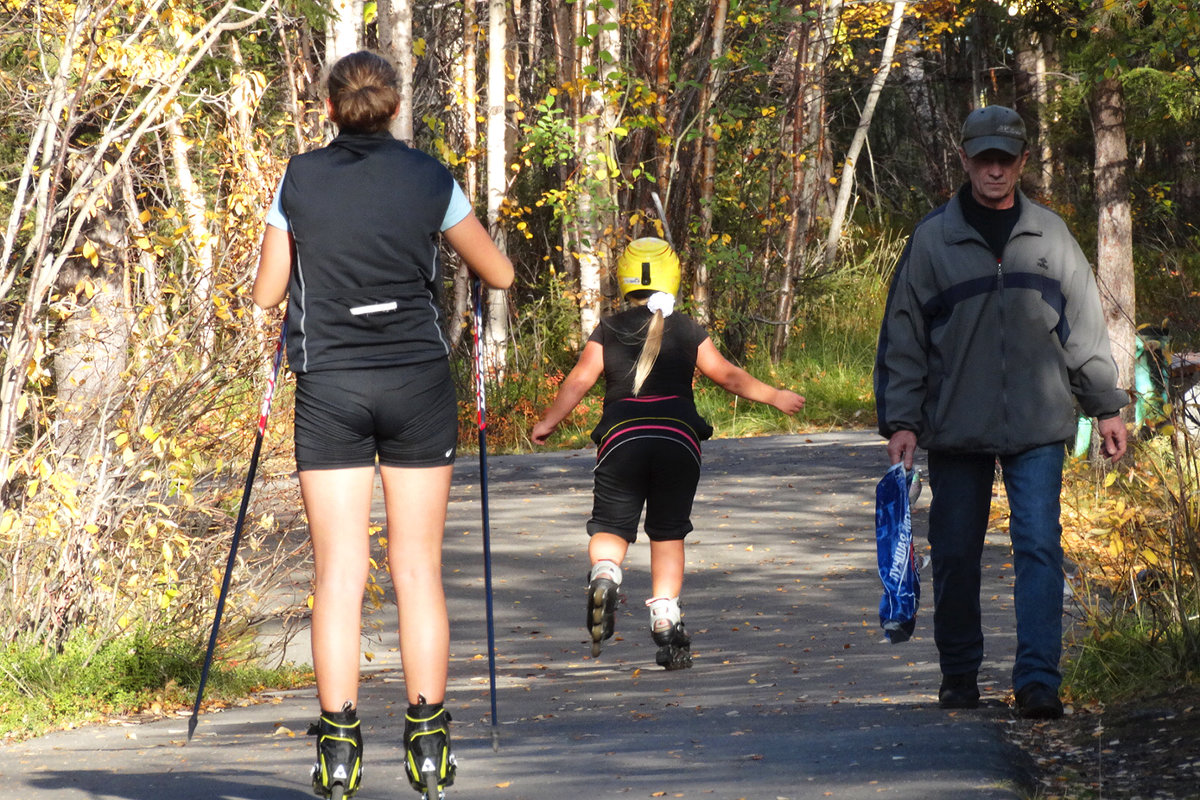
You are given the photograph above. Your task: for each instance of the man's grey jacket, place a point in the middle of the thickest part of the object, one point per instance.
(983, 355)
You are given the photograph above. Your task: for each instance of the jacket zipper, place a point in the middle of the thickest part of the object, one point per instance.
(1003, 351)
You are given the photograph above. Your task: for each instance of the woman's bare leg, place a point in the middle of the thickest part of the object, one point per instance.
(338, 505)
(416, 501)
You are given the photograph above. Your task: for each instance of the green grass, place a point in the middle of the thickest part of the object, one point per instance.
(1127, 659)
(1131, 531)
(87, 680)
(837, 392)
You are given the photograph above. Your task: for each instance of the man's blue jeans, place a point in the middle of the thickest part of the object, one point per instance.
(958, 518)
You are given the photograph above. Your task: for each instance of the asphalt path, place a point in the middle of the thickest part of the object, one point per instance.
(794, 693)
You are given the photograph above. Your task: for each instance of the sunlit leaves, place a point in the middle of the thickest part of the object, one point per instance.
(111, 519)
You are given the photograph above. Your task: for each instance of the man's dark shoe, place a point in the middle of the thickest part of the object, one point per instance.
(1038, 701)
(959, 691)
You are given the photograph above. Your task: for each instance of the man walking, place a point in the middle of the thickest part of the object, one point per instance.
(993, 329)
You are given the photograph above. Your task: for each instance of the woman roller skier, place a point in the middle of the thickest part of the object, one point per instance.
(352, 242)
(648, 438)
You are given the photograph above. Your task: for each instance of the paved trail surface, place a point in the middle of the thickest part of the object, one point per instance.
(794, 693)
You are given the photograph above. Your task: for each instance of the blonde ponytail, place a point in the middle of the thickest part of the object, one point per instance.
(649, 353)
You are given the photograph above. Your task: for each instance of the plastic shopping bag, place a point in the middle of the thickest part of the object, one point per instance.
(897, 559)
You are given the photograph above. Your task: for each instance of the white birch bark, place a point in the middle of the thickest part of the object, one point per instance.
(497, 167)
(344, 31)
(846, 186)
(587, 215)
(56, 206)
(470, 113)
(195, 212)
(396, 40)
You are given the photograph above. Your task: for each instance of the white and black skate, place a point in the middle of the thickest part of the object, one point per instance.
(674, 648)
(603, 594)
(666, 627)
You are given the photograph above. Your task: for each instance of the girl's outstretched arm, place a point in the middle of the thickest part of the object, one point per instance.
(732, 378)
(582, 378)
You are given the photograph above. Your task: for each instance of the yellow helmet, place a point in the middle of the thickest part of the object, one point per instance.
(649, 264)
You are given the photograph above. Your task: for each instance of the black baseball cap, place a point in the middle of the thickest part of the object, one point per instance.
(993, 128)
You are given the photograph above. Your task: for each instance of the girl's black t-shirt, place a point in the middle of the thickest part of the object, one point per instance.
(666, 403)
(621, 336)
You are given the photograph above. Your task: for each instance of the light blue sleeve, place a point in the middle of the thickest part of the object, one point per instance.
(458, 209)
(275, 216)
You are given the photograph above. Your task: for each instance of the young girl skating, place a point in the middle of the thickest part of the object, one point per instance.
(648, 438)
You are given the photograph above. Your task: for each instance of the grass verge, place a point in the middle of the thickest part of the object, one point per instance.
(86, 680)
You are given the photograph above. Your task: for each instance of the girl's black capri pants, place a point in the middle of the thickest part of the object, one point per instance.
(658, 473)
(406, 415)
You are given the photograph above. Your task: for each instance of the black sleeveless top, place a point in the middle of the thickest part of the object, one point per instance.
(365, 212)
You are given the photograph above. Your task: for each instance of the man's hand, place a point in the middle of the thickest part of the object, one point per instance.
(1113, 437)
(901, 447)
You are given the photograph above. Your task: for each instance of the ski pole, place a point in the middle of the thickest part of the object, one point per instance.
(662, 216)
(481, 408)
(237, 528)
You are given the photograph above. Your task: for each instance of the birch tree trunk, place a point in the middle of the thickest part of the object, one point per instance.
(930, 125)
(344, 31)
(195, 215)
(809, 154)
(846, 185)
(534, 26)
(93, 344)
(396, 40)
(1032, 103)
(588, 228)
(1114, 256)
(798, 216)
(497, 165)
(470, 112)
(562, 22)
(661, 76)
(57, 212)
(708, 158)
(609, 41)
(1045, 64)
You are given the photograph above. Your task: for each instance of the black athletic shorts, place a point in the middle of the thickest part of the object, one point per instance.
(407, 416)
(660, 474)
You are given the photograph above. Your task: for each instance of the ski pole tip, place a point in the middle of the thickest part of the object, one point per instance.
(192, 726)
(495, 740)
